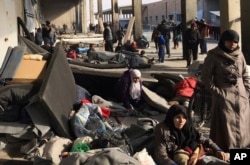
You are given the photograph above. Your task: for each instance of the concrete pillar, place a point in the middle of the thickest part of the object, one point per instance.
(189, 12)
(115, 15)
(84, 17)
(91, 11)
(137, 12)
(99, 5)
(245, 26)
(230, 15)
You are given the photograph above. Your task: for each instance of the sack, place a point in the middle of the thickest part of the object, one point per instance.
(186, 87)
(143, 157)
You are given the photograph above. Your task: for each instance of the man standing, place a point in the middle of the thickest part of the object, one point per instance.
(204, 32)
(108, 37)
(165, 31)
(191, 41)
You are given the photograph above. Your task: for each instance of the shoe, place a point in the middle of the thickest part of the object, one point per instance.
(169, 56)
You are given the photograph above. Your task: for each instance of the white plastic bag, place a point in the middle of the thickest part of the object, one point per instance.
(144, 158)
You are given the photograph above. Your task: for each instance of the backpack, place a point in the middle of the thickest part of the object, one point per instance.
(186, 87)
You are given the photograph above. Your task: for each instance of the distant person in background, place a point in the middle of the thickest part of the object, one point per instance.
(154, 38)
(204, 33)
(176, 35)
(108, 37)
(161, 47)
(120, 35)
(191, 41)
(91, 49)
(119, 47)
(130, 46)
(165, 31)
(46, 30)
(39, 36)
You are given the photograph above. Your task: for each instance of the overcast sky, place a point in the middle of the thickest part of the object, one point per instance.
(106, 4)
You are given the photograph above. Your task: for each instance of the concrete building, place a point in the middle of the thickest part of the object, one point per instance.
(73, 14)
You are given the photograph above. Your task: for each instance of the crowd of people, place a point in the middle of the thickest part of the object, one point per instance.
(225, 74)
(45, 36)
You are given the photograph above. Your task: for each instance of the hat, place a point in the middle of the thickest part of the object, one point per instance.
(230, 35)
(193, 24)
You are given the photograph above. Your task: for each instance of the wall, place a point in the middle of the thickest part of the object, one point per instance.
(161, 9)
(9, 11)
(59, 12)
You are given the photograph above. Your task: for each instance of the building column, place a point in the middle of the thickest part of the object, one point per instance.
(115, 15)
(230, 15)
(84, 16)
(99, 5)
(245, 26)
(189, 12)
(91, 12)
(137, 12)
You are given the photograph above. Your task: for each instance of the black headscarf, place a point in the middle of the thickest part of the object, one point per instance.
(228, 35)
(188, 136)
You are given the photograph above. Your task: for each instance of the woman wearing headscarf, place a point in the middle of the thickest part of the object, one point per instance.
(225, 74)
(177, 142)
(130, 89)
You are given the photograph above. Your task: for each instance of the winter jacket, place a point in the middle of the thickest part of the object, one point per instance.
(229, 83)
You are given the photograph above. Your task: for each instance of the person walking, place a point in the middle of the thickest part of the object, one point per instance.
(191, 41)
(154, 38)
(177, 142)
(39, 36)
(225, 74)
(108, 37)
(161, 50)
(46, 30)
(176, 35)
(165, 31)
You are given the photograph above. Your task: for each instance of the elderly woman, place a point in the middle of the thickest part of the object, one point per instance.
(129, 89)
(225, 74)
(177, 142)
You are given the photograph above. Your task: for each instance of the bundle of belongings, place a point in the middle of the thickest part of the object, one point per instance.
(55, 121)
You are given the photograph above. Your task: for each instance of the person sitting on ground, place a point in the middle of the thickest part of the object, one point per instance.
(177, 142)
(130, 46)
(119, 47)
(91, 48)
(129, 89)
(143, 54)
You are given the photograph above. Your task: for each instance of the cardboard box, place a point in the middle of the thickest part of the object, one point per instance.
(29, 71)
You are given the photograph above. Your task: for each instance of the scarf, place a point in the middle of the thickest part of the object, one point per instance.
(229, 35)
(188, 136)
(135, 87)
